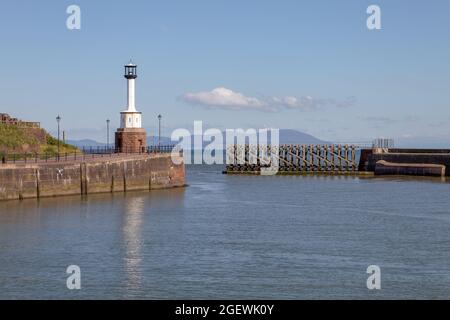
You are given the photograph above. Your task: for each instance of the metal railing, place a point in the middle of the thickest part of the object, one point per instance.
(83, 154)
(129, 150)
(383, 143)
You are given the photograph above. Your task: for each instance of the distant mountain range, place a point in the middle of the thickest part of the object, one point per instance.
(85, 143)
(92, 143)
(287, 136)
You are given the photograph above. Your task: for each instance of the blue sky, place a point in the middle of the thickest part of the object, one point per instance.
(393, 82)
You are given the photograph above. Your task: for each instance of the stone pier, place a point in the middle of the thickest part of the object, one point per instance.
(121, 174)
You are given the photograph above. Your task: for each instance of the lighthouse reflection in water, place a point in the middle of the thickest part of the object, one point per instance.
(133, 241)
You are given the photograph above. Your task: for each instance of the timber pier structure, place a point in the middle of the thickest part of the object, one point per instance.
(293, 159)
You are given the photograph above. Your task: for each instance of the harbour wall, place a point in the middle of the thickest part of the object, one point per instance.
(408, 157)
(383, 167)
(128, 173)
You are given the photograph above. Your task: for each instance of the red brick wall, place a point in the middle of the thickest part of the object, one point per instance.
(131, 140)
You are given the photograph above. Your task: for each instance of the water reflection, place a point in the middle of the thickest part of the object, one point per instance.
(132, 239)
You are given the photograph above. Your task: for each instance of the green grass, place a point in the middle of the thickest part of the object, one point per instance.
(51, 147)
(15, 140)
(12, 137)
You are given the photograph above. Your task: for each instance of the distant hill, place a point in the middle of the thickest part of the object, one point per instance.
(92, 143)
(86, 143)
(153, 141)
(287, 136)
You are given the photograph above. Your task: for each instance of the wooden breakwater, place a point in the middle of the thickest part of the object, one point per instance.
(293, 159)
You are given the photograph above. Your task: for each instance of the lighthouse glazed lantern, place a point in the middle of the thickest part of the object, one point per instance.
(131, 137)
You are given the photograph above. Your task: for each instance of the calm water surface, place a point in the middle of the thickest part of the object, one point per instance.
(236, 237)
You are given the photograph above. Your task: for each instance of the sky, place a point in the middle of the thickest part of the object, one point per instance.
(312, 66)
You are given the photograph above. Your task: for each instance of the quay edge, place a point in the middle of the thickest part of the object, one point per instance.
(137, 172)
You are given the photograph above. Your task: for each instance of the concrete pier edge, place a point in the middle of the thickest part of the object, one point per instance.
(136, 172)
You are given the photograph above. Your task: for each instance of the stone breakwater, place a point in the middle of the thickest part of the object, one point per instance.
(127, 173)
(414, 162)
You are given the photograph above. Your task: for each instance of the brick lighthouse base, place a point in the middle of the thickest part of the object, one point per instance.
(131, 140)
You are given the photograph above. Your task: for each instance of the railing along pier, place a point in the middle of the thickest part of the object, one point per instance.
(82, 154)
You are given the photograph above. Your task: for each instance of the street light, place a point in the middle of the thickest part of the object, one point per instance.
(159, 131)
(58, 119)
(107, 132)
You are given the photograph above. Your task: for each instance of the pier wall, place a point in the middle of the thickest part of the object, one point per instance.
(139, 172)
(369, 159)
(383, 167)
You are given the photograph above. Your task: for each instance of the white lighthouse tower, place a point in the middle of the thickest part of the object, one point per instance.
(130, 137)
(131, 118)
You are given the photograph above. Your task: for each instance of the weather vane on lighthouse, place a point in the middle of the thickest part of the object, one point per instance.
(131, 137)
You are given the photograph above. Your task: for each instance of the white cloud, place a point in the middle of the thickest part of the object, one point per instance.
(304, 103)
(227, 99)
(223, 98)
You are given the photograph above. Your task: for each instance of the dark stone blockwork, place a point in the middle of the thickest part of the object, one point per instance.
(144, 172)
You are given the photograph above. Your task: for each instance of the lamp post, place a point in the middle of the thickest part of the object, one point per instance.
(58, 120)
(107, 133)
(159, 131)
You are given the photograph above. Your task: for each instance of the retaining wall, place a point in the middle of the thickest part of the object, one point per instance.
(369, 159)
(140, 172)
(410, 169)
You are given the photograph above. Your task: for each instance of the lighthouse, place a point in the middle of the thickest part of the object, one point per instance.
(131, 137)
